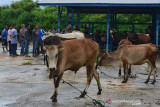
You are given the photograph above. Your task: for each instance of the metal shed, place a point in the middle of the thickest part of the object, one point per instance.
(109, 7)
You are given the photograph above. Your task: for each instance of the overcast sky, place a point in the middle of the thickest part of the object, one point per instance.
(8, 2)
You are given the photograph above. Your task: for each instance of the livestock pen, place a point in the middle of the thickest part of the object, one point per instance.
(109, 7)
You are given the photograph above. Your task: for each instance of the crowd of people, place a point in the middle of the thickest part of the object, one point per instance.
(100, 37)
(9, 37)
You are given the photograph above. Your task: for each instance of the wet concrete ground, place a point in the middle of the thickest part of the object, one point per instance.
(29, 86)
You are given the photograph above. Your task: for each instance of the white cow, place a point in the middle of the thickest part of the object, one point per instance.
(75, 35)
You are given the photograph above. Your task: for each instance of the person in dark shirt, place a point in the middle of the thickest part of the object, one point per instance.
(21, 36)
(150, 31)
(76, 28)
(27, 39)
(97, 37)
(86, 29)
(67, 30)
(35, 40)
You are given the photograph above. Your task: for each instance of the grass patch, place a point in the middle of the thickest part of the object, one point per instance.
(27, 63)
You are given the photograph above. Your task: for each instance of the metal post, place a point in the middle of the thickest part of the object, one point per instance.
(72, 19)
(107, 40)
(154, 27)
(67, 17)
(89, 28)
(92, 31)
(115, 21)
(157, 27)
(111, 21)
(132, 27)
(78, 16)
(112, 27)
(59, 19)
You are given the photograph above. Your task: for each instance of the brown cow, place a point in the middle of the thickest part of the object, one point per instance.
(71, 55)
(135, 38)
(139, 38)
(124, 42)
(135, 55)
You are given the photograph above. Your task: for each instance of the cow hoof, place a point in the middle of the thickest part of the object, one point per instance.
(146, 82)
(154, 81)
(99, 92)
(54, 99)
(124, 81)
(50, 77)
(83, 94)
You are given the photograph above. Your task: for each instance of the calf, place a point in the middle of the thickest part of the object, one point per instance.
(124, 42)
(71, 55)
(135, 55)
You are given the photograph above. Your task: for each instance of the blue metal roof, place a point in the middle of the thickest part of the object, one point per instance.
(101, 6)
(100, 1)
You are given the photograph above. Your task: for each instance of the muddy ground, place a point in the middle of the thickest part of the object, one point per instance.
(29, 86)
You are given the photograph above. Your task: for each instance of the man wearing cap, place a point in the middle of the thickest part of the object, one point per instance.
(21, 36)
(4, 38)
(40, 42)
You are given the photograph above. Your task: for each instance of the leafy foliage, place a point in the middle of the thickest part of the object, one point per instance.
(27, 12)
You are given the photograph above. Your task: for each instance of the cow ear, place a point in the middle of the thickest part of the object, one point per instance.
(61, 49)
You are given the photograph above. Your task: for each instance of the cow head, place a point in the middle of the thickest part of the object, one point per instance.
(53, 48)
(105, 59)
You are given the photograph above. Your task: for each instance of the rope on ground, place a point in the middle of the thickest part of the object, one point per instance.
(106, 74)
(97, 103)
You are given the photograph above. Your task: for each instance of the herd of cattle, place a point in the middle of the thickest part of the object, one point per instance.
(72, 51)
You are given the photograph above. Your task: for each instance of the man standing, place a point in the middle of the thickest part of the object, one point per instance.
(4, 38)
(86, 29)
(67, 30)
(40, 42)
(14, 40)
(21, 36)
(150, 31)
(27, 39)
(9, 38)
(35, 40)
(54, 31)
